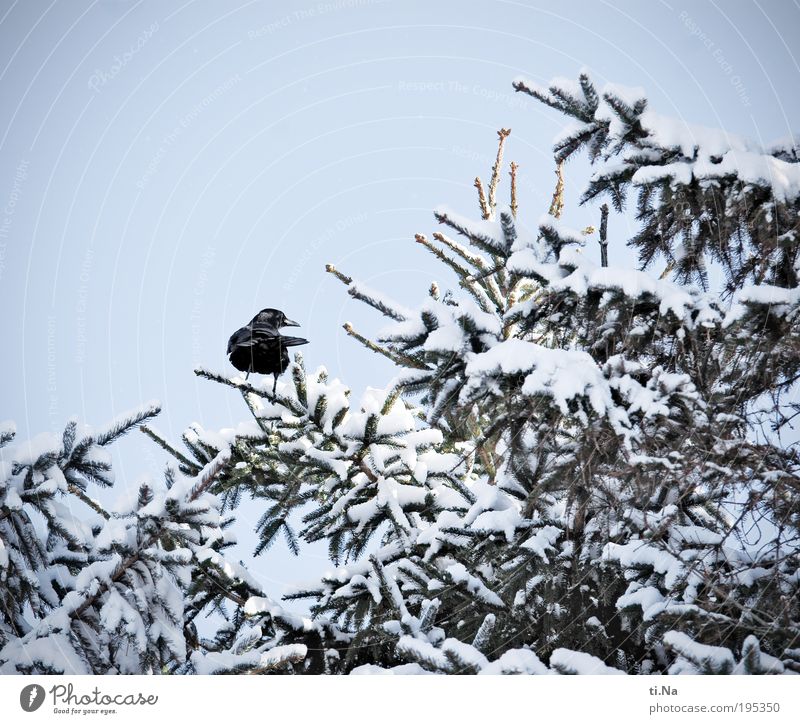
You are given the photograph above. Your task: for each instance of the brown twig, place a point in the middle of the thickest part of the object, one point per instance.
(557, 205)
(331, 269)
(485, 210)
(513, 174)
(502, 134)
(604, 235)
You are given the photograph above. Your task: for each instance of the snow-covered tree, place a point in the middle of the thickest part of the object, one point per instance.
(85, 588)
(578, 468)
(568, 470)
(708, 201)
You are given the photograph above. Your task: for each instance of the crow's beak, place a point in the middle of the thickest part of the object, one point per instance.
(290, 323)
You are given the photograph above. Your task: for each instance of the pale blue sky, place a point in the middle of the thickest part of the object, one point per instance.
(169, 168)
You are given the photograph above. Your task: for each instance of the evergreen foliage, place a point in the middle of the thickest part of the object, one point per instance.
(578, 467)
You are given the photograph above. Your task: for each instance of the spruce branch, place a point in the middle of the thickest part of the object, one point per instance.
(208, 474)
(7, 433)
(488, 273)
(481, 240)
(475, 259)
(93, 504)
(376, 303)
(177, 454)
(461, 271)
(125, 423)
(489, 285)
(203, 480)
(382, 305)
(246, 388)
(237, 384)
(485, 296)
(481, 640)
(396, 357)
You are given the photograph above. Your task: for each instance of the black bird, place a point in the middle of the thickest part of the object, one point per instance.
(260, 347)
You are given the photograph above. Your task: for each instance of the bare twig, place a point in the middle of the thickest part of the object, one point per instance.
(331, 269)
(513, 174)
(485, 210)
(502, 134)
(604, 235)
(557, 205)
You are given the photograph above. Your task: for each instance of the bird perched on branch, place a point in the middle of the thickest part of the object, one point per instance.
(260, 347)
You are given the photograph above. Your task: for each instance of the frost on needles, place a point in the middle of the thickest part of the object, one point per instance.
(577, 468)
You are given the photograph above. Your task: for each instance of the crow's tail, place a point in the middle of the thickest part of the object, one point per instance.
(292, 341)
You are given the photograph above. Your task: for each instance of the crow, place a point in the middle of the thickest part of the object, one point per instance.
(260, 347)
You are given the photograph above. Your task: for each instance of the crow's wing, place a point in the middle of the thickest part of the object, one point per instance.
(292, 341)
(249, 336)
(240, 338)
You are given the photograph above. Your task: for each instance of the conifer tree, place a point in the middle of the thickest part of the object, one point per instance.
(578, 467)
(100, 590)
(566, 469)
